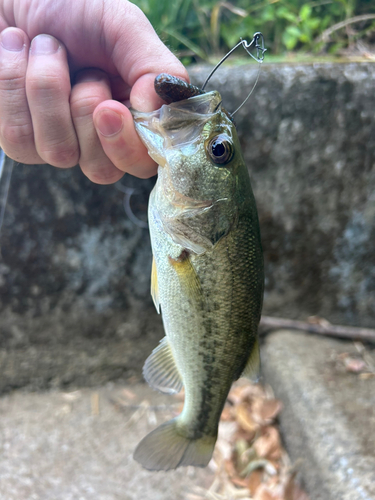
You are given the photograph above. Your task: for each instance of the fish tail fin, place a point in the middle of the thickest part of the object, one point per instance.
(165, 448)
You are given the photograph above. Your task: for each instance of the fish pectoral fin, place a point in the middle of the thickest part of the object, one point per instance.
(155, 286)
(166, 448)
(160, 370)
(252, 367)
(187, 275)
(185, 236)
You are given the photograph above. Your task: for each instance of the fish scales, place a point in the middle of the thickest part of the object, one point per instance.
(208, 274)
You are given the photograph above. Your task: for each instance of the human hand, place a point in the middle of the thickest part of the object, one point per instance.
(68, 71)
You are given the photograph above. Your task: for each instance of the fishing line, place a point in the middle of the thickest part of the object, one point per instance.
(256, 43)
(6, 168)
(128, 193)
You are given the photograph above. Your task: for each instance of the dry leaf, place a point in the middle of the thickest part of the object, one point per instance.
(317, 320)
(245, 392)
(294, 492)
(261, 471)
(343, 355)
(354, 365)
(255, 480)
(226, 414)
(244, 419)
(232, 473)
(129, 394)
(238, 481)
(72, 396)
(270, 409)
(268, 445)
(266, 493)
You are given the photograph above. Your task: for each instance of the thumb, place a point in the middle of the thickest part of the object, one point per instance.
(139, 56)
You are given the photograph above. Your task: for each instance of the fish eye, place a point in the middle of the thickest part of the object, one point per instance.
(220, 149)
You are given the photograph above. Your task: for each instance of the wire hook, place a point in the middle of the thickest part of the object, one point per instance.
(257, 43)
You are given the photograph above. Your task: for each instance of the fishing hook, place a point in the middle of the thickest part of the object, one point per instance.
(257, 43)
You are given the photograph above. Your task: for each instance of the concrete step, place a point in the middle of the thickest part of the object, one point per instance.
(328, 420)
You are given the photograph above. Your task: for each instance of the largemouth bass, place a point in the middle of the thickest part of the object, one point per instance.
(207, 273)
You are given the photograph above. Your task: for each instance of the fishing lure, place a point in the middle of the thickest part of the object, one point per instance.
(172, 89)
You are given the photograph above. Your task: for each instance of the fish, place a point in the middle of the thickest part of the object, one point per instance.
(207, 274)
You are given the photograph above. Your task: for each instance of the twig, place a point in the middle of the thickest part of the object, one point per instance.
(95, 404)
(326, 33)
(346, 332)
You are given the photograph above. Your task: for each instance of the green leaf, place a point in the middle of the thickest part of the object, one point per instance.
(293, 31)
(290, 37)
(313, 23)
(335, 47)
(188, 43)
(268, 14)
(305, 12)
(284, 13)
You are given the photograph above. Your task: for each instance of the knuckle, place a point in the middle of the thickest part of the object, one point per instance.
(104, 179)
(83, 106)
(27, 155)
(12, 83)
(45, 86)
(101, 174)
(61, 155)
(17, 134)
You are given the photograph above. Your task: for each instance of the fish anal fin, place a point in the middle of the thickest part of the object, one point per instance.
(154, 285)
(160, 370)
(187, 275)
(252, 368)
(166, 448)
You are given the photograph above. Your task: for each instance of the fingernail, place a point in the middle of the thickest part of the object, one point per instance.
(109, 122)
(12, 40)
(44, 44)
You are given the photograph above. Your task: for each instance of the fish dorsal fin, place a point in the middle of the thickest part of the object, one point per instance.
(155, 286)
(252, 367)
(160, 370)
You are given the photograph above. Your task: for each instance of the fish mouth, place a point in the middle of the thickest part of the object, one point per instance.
(179, 200)
(176, 124)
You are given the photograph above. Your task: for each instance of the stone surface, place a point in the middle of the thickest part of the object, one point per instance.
(74, 269)
(79, 446)
(328, 419)
(75, 305)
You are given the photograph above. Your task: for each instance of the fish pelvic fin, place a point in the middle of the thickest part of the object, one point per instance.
(155, 286)
(165, 448)
(160, 370)
(252, 368)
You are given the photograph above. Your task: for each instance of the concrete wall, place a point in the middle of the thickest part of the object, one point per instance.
(74, 270)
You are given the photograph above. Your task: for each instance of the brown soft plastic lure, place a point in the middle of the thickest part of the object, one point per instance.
(173, 89)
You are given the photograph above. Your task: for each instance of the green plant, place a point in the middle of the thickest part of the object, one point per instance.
(205, 29)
